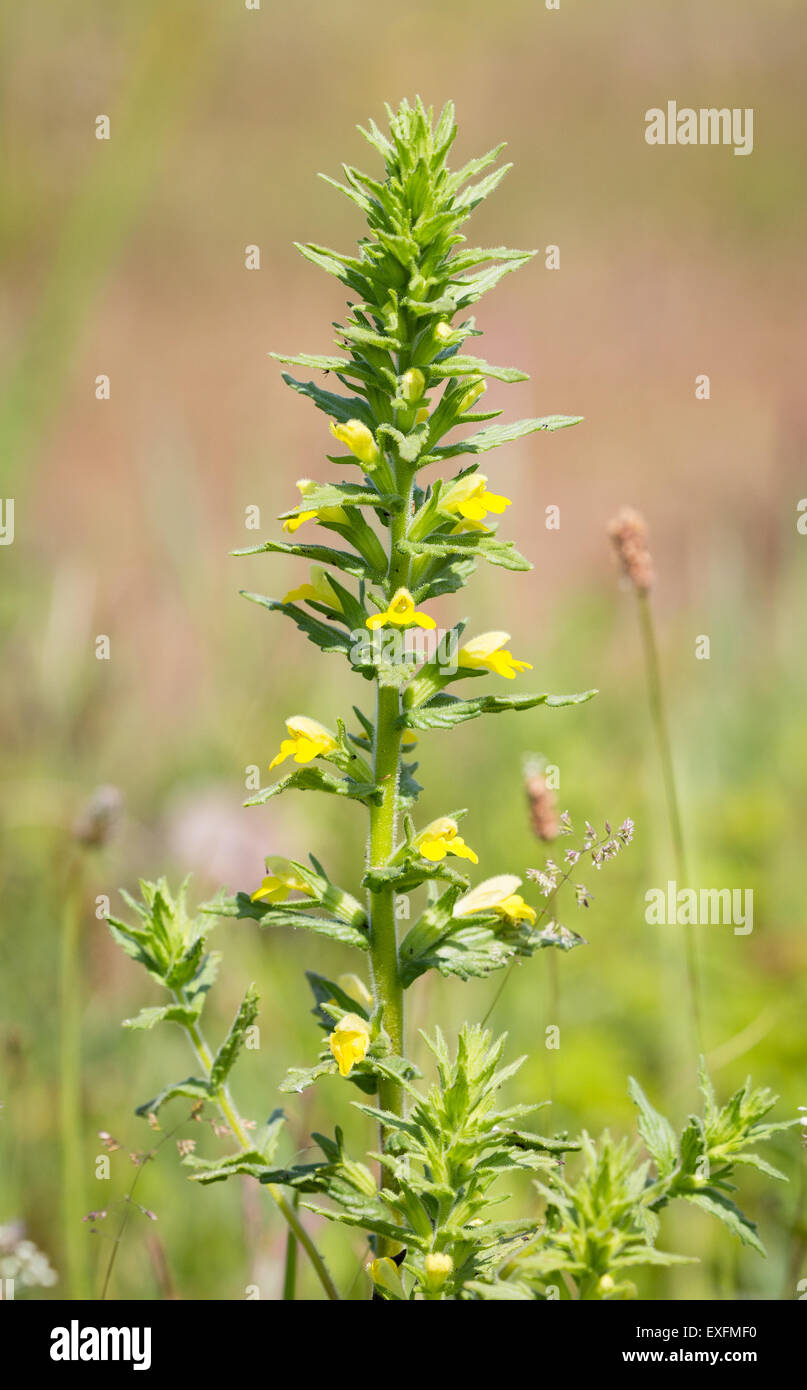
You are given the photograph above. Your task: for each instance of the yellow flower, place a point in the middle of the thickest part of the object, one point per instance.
(283, 878)
(293, 523)
(469, 499)
(497, 895)
(413, 384)
(307, 740)
(384, 1274)
(440, 838)
(422, 415)
(401, 613)
(356, 989)
(438, 1267)
(488, 650)
(336, 515)
(319, 590)
(349, 1042)
(359, 440)
(471, 395)
(443, 332)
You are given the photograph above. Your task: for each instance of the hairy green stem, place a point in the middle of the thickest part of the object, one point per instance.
(70, 1083)
(290, 1267)
(659, 716)
(230, 1112)
(387, 988)
(384, 965)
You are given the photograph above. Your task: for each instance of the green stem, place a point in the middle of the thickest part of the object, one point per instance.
(228, 1109)
(386, 980)
(659, 716)
(70, 1084)
(387, 987)
(290, 1269)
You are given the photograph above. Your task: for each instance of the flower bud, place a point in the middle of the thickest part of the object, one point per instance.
(356, 989)
(438, 1268)
(359, 440)
(443, 332)
(470, 396)
(413, 384)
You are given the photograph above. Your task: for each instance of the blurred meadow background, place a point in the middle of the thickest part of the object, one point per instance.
(126, 258)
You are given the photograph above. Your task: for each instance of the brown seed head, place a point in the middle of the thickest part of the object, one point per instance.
(542, 806)
(97, 817)
(628, 531)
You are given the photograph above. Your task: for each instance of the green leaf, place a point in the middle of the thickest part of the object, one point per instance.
(253, 1162)
(649, 1255)
(192, 1087)
(380, 1226)
(404, 878)
(327, 637)
(319, 780)
(717, 1204)
(249, 1163)
(657, 1132)
(469, 291)
(754, 1161)
(344, 495)
(445, 711)
(458, 365)
(135, 942)
(327, 991)
(495, 435)
(292, 915)
(316, 363)
(184, 969)
(343, 560)
(298, 1079)
(171, 1013)
(472, 256)
(226, 1056)
(496, 552)
(341, 408)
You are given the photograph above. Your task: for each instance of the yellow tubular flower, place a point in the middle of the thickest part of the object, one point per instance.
(497, 895)
(487, 650)
(281, 880)
(401, 613)
(384, 1274)
(359, 440)
(319, 590)
(349, 1042)
(440, 838)
(337, 515)
(293, 523)
(307, 740)
(469, 499)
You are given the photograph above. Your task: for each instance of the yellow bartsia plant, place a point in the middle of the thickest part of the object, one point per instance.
(401, 396)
